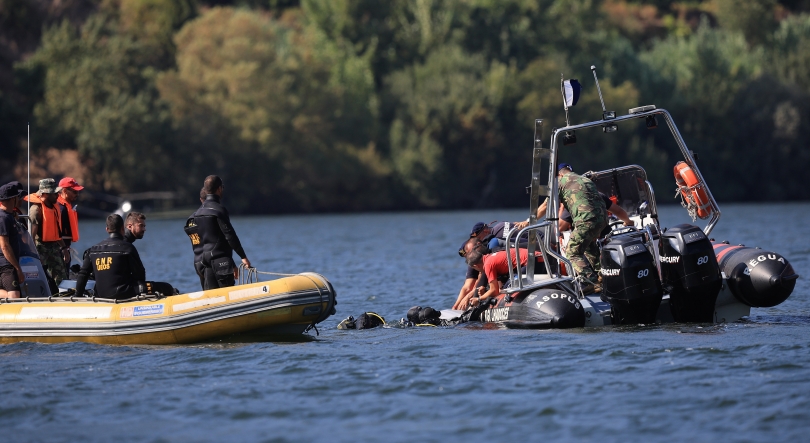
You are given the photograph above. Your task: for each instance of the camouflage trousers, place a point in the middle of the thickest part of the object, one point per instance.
(583, 251)
(51, 256)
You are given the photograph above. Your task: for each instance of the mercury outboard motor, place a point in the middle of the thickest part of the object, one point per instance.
(756, 277)
(689, 267)
(630, 281)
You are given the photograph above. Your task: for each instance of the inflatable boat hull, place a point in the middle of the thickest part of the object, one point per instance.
(285, 306)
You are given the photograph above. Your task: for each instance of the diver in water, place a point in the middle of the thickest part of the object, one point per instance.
(214, 240)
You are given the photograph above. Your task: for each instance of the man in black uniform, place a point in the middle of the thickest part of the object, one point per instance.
(117, 267)
(214, 240)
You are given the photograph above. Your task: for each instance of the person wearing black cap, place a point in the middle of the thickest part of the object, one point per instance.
(11, 274)
(214, 240)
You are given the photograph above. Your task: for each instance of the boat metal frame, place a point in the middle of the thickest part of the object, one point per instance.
(549, 241)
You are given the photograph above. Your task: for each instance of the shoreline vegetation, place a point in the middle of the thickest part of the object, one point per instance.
(363, 105)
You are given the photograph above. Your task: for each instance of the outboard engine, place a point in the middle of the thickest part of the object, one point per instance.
(630, 281)
(689, 267)
(756, 277)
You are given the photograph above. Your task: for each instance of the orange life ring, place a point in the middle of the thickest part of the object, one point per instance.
(692, 190)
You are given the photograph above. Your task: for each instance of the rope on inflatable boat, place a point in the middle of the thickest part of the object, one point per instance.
(251, 275)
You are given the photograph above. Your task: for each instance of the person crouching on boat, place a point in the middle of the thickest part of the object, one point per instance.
(214, 240)
(116, 267)
(473, 279)
(582, 200)
(496, 268)
(11, 275)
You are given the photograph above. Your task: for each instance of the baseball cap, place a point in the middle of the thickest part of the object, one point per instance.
(478, 227)
(69, 182)
(564, 165)
(9, 190)
(461, 251)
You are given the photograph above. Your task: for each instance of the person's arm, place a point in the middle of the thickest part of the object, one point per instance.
(138, 271)
(469, 285)
(8, 253)
(621, 214)
(233, 240)
(35, 217)
(84, 275)
(484, 294)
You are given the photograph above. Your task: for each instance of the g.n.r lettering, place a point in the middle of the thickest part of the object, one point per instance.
(104, 263)
(195, 238)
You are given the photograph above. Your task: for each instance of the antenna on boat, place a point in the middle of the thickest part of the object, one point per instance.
(29, 175)
(606, 115)
(570, 90)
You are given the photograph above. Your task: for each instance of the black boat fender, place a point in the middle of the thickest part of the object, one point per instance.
(540, 309)
(756, 277)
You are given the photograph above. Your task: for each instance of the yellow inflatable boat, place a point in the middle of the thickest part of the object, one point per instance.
(288, 305)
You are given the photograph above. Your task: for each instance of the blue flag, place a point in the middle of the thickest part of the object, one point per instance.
(571, 89)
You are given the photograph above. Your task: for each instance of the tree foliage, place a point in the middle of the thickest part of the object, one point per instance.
(342, 105)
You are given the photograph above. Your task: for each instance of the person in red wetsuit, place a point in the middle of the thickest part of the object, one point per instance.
(496, 268)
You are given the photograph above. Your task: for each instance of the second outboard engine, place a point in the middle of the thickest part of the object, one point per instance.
(630, 281)
(756, 277)
(689, 267)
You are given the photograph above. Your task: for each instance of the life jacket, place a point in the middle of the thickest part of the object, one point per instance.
(51, 227)
(73, 217)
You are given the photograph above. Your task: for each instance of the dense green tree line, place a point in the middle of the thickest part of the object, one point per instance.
(339, 105)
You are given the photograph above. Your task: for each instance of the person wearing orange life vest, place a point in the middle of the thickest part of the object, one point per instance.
(68, 194)
(46, 228)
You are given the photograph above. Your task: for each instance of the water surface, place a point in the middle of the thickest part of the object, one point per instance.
(745, 381)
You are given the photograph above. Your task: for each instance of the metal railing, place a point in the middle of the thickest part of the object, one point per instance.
(544, 250)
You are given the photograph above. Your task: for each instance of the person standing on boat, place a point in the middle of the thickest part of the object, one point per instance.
(214, 240)
(46, 228)
(68, 194)
(134, 226)
(11, 274)
(582, 200)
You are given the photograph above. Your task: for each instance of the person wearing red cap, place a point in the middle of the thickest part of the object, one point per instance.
(68, 193)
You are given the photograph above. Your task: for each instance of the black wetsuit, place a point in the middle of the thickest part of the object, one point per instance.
(116, 267)
(129, 236)
(118, 271)
(214, 241)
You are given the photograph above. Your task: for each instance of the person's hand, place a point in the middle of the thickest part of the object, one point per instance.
(246, 262)
(473, 302)
(20, 275)
(66, 256)
(481, 291)
(629, 223)
(521, 225)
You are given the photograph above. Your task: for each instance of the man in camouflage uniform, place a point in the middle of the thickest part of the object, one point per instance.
(580, 197)
(51, 253)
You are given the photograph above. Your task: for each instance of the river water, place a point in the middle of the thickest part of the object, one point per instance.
(745, 381)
